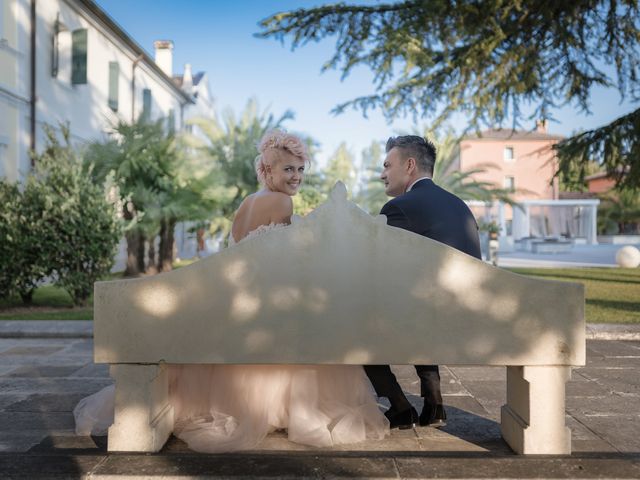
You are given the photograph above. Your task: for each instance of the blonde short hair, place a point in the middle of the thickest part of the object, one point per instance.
(278, 140)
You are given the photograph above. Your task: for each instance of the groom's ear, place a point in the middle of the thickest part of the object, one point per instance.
(410, 164)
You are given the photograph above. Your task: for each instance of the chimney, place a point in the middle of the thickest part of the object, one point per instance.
(187, 78)
(541, 126)
(164, 55)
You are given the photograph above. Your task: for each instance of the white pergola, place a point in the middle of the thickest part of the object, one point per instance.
(576, 219)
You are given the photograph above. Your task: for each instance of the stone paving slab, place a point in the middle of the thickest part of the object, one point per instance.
(42, 385)
(46, 329)
(296, 465)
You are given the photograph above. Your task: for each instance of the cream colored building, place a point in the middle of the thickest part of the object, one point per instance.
(68, 61)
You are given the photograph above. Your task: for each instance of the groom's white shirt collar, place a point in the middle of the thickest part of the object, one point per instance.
(421, 178)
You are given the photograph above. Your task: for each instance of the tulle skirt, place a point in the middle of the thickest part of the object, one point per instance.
(221, 408)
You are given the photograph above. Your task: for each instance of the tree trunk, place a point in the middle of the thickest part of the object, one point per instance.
(27, 296)
(165, 260)
(151, 257)
(133, 238)
(200, 241)
(141, 250)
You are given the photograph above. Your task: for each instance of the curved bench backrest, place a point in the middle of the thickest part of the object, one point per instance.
(340, 286)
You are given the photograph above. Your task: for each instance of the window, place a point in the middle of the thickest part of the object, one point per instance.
(3, 5)
(510, 183)
(146, 104)
(79, 56)
(114, 77)
(508, 227)
(171, 121)
(4, 144)
(508, 154)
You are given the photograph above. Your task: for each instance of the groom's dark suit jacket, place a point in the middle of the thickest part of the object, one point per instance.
(433, 212)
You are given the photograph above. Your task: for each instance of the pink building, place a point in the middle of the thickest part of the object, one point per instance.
(517, 160)
(525, 163)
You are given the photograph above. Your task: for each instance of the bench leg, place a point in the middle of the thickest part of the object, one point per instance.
(143, 417)
(532, 421)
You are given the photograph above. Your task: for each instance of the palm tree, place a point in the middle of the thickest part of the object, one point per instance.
(619, 212)
(160, 182)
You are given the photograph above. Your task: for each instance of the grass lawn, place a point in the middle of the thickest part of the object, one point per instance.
(49, 303)
(612, 294)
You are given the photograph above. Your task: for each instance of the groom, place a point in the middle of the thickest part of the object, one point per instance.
(422, 207)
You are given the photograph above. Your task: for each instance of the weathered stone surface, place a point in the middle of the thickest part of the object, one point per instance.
(47, 403)
(616, 379)
(585, 439)
(491, 394)
(517, 467)
(30, 350)
(463, 404)
(47, 466)
(456, 309)
(47, 421)
(43, 371)
(610, 348)
(18, 441)
(492, 374)
(6, 369)
(598, 432)
(621, 431)
(610, 405)
(53, 385)
(71, 444)
(249, 466)
(7, 399)
(92, 370)
(585, 389)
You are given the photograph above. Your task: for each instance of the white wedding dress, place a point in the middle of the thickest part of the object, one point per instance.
(222, 408)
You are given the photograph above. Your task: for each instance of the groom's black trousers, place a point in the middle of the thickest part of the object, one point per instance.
(386, 384)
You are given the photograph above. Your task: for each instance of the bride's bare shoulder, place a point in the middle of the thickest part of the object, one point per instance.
(273, 201)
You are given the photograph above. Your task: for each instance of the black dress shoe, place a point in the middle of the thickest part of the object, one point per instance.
(403, 420)
(433, 416)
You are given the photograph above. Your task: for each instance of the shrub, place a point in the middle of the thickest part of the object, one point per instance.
(81, 227)
(25, 236)
(9, 206)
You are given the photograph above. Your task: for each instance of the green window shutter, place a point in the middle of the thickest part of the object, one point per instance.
(171, 121)
(114, 74)
(79, 56)
(146, 104)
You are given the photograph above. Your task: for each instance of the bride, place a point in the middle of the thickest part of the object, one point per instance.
(221, 408)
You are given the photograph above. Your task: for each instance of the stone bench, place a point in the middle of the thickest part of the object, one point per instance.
(339, 287)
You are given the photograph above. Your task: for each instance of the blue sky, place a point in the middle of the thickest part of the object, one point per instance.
(217, 37)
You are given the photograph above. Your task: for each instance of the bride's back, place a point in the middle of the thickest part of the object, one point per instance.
(261, 208)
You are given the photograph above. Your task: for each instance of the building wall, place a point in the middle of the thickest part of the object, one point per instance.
(600, 185)
(532, 166)
(84, 106)
(14, 88)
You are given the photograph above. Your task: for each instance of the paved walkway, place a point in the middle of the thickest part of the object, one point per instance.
(580, 256)
(41, 380)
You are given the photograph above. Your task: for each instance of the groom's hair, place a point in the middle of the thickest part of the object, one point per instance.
(417, 147)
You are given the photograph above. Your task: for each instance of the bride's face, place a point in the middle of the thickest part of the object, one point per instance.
(284, 173)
